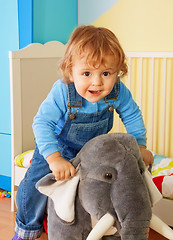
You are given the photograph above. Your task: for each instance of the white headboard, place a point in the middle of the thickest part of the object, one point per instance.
(33, 70)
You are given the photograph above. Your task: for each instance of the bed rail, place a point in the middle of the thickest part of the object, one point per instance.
(150, 81)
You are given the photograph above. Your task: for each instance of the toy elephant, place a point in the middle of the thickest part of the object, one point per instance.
(111, 189)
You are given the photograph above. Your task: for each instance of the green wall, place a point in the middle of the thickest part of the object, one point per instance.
(53, 20)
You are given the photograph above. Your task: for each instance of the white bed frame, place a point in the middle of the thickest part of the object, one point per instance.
(33, 70)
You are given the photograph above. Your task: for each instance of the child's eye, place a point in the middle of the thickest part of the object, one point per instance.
(105, 74)
(87, 74)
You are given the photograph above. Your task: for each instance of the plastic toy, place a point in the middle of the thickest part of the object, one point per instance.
(5, 194)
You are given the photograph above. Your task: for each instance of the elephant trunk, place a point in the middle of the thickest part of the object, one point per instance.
(133, 230)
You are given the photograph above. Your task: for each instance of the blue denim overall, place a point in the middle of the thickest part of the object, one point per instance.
(78, 129)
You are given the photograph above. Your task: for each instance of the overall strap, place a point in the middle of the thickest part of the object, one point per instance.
(114, 93)
(74, 99)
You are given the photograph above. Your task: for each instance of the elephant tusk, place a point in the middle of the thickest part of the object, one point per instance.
(162, 228)
(102, 226)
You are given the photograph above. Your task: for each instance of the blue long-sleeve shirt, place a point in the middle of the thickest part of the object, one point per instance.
(52, 115)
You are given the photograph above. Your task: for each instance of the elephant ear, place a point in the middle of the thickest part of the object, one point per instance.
(62, 193)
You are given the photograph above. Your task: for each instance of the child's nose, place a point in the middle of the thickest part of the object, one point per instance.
(97, 81)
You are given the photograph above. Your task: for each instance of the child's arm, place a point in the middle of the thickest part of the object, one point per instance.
(146, 155)
(132, 118)
(61, 168)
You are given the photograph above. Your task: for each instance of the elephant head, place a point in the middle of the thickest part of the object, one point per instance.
(113, 188)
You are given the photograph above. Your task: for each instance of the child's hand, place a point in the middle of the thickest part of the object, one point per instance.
(61, 168)
(146, 155)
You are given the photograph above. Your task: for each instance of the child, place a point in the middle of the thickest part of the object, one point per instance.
(79, 107)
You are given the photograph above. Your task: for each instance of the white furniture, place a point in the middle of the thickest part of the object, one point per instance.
(33, 70)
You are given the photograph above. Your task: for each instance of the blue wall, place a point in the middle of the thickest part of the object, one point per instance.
(25, 16)
(21, 23)
(8, 41)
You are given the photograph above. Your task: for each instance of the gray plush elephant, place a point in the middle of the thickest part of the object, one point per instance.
(111, 190)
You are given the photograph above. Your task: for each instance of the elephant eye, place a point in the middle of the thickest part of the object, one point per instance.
(108, 176)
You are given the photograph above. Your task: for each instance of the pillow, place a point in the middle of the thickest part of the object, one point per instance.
(24, 159)
(162, 174)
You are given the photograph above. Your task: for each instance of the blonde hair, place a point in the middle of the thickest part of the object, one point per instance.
(94, 43)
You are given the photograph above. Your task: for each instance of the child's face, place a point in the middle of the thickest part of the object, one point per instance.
(93, 83)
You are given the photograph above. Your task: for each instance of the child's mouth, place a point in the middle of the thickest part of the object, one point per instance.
(94, 92)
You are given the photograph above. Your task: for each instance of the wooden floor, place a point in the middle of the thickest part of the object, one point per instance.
(7, 223)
